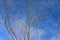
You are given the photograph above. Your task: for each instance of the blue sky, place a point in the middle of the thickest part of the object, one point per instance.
(48, 10)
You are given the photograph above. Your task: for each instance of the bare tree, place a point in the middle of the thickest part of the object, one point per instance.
(6, 22)
(23, 29)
